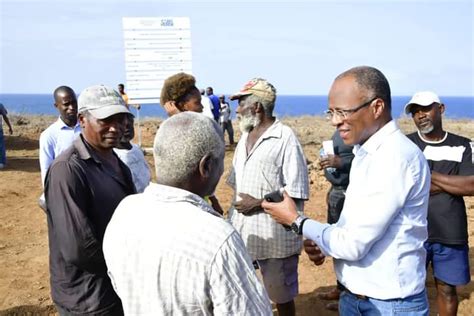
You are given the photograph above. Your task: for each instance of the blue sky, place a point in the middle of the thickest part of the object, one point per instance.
(300, 46)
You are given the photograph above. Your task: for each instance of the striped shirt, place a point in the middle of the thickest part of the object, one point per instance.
(169, 253)
(275, 161)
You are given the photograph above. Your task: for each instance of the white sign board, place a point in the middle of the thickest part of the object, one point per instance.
(155, 48)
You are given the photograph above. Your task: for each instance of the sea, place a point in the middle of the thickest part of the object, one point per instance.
(457, 107)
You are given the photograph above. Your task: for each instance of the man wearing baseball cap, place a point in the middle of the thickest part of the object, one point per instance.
(452, 177)
(83, 187)
(268, 157)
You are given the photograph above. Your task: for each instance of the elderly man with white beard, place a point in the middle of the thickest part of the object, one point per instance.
(268, 157)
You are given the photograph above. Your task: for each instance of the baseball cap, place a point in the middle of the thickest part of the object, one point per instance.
(259, 87)
(423, 98)
(101, 101)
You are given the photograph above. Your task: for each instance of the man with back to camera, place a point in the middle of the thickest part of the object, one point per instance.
(268, 157)
(452, 177)
(216, 104)
(60, 135)
(83, 186)
(377, 244)
(167, 250)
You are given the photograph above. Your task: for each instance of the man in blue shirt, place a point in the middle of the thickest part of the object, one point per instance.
(59, 135)
(377, 244)
(216, 110)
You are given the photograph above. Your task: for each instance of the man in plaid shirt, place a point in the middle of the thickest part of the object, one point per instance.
(268, 157)
(168, 252)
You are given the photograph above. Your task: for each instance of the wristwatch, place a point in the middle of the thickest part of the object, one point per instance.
(297, 225)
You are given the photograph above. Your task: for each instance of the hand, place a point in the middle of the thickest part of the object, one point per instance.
(247, 204)
(329, 161)
(313, 251)
(10, 130)
(434, 189)
(170, 108)
(283, 212)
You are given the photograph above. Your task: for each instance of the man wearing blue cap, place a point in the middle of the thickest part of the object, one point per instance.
(452, 177)
(83, 187)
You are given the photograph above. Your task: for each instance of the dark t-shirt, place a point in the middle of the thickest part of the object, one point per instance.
(340, 177)
(82, 194)
(447, 222)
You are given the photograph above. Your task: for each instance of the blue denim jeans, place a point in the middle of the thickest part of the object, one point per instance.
(350, 305)
(3, 154)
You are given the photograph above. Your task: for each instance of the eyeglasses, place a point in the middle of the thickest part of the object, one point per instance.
(344, 114)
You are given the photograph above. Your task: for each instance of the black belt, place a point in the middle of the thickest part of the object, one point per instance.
(360, 297)
(339, 187)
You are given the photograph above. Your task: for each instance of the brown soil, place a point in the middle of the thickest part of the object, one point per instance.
(24, 276)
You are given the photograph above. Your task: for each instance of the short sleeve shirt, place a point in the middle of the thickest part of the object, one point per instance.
(276, 161)
(447, 220)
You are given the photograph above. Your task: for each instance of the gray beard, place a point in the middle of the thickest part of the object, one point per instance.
(247, 123)
(426, 129)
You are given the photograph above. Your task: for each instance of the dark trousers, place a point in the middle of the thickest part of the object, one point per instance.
(117, 310)
(335, 200)
(227, 126)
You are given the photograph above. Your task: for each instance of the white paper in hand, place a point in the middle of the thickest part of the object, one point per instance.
(328, 147)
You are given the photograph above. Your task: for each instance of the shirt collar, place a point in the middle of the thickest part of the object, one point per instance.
(84, 150)
(373, 143)
(171, 194)
(63, 125)
(274, 130)
(432, 141)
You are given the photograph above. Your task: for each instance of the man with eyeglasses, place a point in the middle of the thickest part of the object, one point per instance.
(452, 177)
(377, 244)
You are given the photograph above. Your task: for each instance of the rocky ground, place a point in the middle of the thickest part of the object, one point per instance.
(24, 277)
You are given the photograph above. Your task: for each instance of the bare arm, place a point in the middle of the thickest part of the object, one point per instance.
(456, 185)
(248, 204)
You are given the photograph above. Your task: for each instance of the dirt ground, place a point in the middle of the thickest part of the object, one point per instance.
(24, 276)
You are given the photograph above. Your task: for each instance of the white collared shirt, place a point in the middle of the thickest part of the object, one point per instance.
(53, 141)
(135, 161)
(378, 241)
(169, 253)
(207, 107)
(275, 161)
